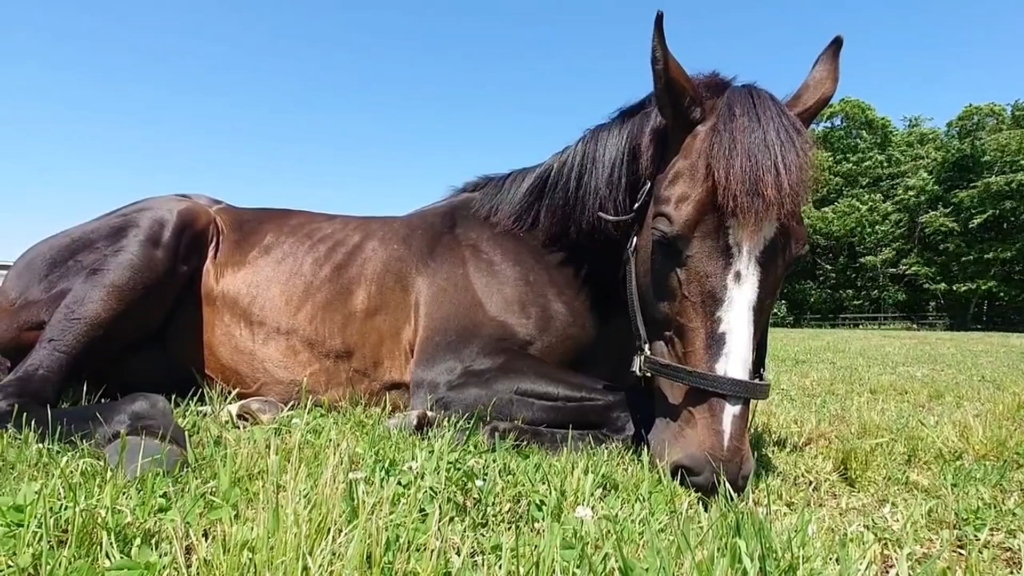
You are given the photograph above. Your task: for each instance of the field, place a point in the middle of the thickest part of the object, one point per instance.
(879, 452)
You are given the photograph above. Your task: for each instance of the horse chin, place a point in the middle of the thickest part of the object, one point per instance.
(680, 453)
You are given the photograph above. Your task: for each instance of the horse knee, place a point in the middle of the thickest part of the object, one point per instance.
(150, 414)
(12, 398)
(148, 405)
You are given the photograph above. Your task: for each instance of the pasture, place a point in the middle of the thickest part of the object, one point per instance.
(878, 452)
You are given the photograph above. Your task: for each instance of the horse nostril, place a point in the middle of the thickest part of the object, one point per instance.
(695, 472)
(740, 484)
(741, 479)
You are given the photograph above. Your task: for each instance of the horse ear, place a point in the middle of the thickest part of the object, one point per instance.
(820, 85)
(678, 100)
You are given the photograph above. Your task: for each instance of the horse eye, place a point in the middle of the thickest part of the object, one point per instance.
(671, 251)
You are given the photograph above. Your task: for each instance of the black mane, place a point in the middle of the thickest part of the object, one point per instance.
(603, 171)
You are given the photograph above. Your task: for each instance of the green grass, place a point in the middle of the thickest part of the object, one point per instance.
(879, 452)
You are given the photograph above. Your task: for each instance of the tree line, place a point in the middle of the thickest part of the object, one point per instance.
(911, 218)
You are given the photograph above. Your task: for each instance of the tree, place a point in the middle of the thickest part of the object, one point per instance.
(977, 227)
(914, 218)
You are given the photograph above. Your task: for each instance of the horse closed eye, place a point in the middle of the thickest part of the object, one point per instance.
(668, 252)
(667, 256)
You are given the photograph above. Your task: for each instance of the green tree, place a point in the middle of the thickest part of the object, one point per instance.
(976, 229)
(912, 218)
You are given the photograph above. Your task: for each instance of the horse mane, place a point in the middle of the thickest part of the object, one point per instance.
(755, 149)
(560, 197)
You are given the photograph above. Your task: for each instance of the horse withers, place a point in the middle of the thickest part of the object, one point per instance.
(618, 291)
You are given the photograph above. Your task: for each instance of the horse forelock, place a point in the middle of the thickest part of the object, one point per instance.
(759, 157)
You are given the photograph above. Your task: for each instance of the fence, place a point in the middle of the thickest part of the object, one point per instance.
(892, 321)
(4, 267)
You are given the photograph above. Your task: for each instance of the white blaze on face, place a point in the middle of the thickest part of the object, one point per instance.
(737, 313)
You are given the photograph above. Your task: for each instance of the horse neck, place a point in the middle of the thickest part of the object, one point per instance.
(558, 203)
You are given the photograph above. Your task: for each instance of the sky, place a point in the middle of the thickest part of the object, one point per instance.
(379, 108)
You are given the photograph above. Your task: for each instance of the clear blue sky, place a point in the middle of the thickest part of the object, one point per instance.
(376, 110)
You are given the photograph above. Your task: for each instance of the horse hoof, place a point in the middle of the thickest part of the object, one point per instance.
(254, 411)
(413, 421)
(462, 437)
(503, 432)
(136, 455)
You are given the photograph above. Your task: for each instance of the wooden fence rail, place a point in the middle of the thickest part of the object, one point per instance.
(911, 321)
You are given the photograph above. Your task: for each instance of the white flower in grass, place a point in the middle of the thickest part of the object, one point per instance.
(479, 483)
(412, 466)
(584, 512)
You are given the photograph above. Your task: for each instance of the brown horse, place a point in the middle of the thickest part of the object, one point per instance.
(563, 298)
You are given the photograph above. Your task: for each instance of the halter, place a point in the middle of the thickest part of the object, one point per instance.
(645, 364)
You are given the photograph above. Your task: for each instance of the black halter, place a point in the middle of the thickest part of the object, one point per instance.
(646, 364)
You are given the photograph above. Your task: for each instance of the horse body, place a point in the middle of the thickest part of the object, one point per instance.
(437, 271)
(507, 298)
(173, 287)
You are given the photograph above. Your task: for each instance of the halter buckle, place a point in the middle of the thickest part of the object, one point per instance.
(638, 365)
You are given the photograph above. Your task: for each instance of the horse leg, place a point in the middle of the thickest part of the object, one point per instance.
(150, 367)
(522, 396)
(117, 303)
(19, 329)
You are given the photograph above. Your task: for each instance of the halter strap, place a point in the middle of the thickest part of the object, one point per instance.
(646, 364)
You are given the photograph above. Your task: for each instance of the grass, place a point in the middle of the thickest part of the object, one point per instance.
(879, 452)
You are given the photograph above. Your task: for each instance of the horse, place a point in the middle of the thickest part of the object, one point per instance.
(617, 292)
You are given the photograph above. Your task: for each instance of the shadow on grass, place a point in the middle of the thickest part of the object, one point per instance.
(764, 441)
